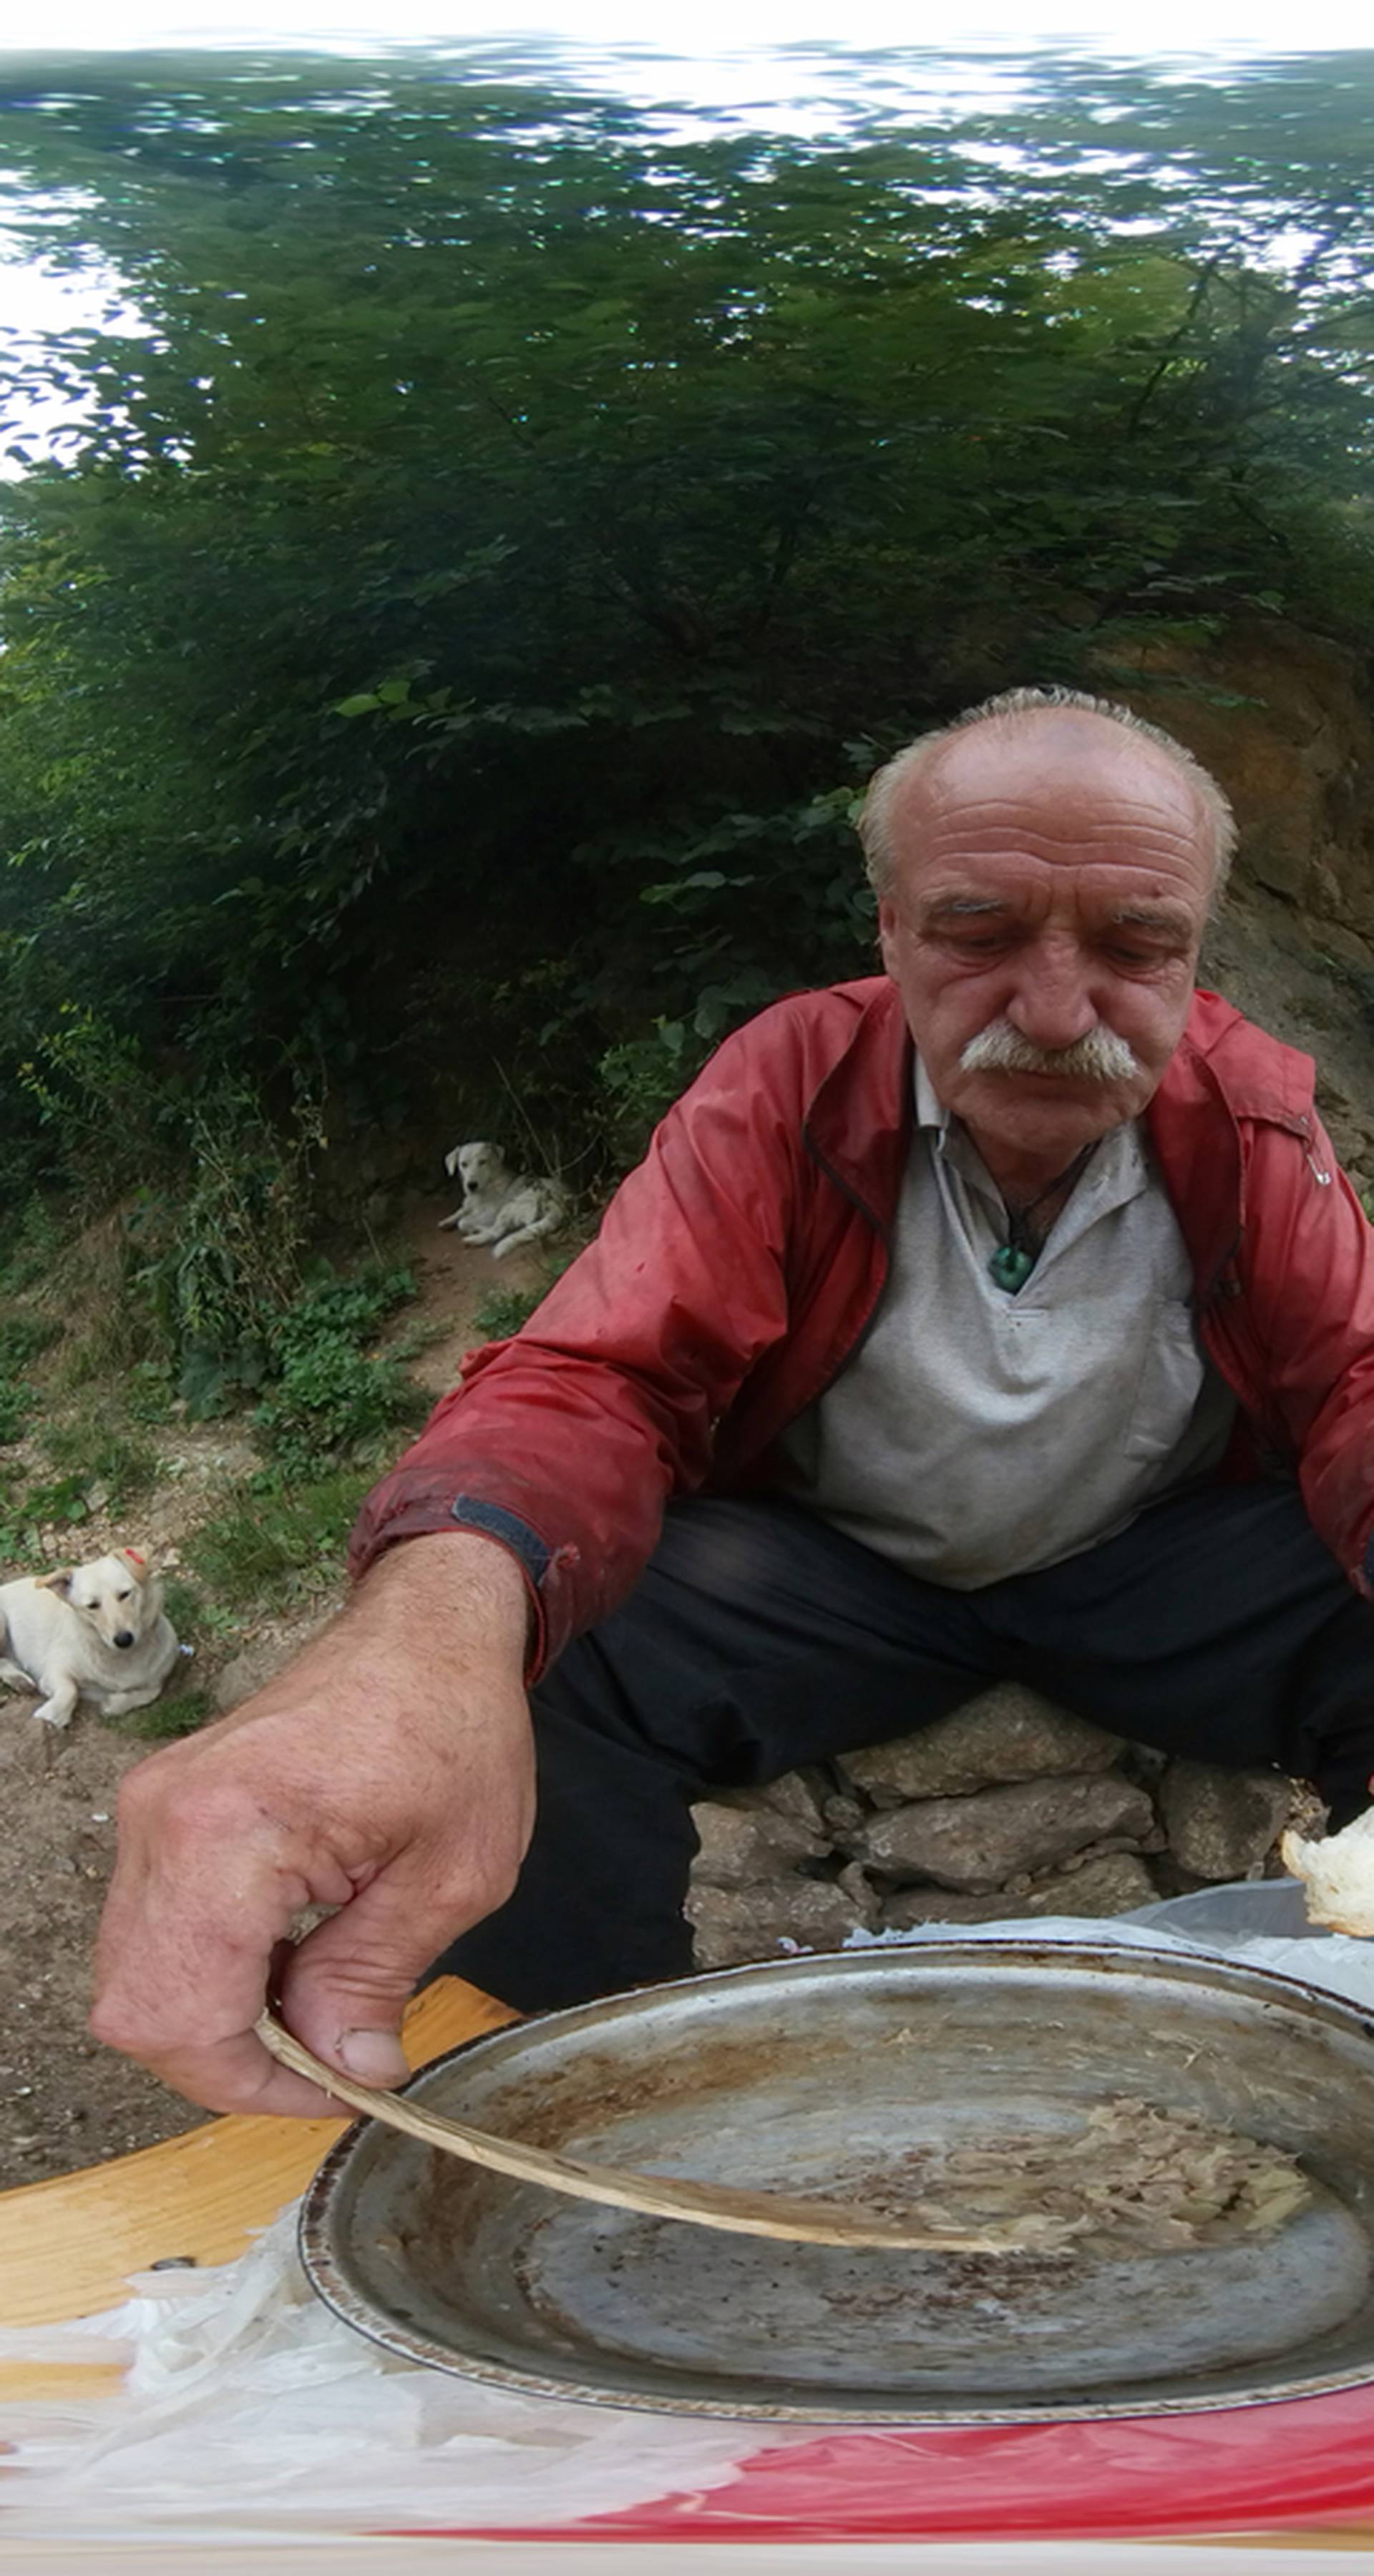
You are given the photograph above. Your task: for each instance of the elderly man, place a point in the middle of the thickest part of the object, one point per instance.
(1005, 1314)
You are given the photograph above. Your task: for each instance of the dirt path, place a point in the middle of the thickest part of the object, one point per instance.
(64, 2100)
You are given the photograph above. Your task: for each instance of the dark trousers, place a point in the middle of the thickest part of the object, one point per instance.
(759, 1638)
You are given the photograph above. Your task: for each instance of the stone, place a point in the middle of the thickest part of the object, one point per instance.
(740, 1844)
(844, 1817)
(1221, 1824)
(1114, 1885)
(979, 1843)
(793, 1795)
(775, 1917)
(914, 1905)
(1008, 1733)
(247, 1672)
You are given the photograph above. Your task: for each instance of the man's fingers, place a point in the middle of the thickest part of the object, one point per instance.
(345, 1987)
(238, 2075)
(183, 1997)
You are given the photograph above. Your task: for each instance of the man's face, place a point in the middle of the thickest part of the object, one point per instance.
(1051, 882)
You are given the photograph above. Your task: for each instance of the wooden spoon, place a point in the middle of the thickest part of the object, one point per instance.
(699, 2204)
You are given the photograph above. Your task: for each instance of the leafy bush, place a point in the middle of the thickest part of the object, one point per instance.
(328, 1393)
(217, 1264)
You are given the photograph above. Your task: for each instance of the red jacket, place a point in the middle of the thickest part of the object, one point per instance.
(738, 1267)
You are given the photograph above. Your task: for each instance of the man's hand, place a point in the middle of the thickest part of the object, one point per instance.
(389, 1771)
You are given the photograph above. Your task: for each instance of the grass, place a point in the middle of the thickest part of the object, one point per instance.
(176, 1713)
(126, 1465)
(24, 1333)
(279, 1544)
(503, 1312)
(33, 1244)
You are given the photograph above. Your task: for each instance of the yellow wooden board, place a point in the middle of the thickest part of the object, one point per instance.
(68, 2246)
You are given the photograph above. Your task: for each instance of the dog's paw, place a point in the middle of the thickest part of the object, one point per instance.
(56, 1712)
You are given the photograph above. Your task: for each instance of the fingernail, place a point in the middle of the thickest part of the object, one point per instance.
(374, 2056)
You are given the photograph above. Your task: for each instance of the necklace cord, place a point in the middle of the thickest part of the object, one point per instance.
(1016, 1256)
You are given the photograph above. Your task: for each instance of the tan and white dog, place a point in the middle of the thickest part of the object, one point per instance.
(501, 1208)
(93, 1632)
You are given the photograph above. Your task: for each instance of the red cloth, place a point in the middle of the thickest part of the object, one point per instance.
(1244, 2469)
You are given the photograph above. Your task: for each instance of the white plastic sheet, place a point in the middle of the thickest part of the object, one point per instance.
(250, 2403)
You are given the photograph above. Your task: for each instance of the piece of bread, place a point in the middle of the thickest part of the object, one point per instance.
(1337, 1876)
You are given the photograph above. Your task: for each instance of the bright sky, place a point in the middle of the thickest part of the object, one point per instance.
(696, 28)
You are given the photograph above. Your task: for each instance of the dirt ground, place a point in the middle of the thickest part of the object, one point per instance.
(65, 2101)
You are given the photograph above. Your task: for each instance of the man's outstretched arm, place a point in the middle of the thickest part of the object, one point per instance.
(388, 1771)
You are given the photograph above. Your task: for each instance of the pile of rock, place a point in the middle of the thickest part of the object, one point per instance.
(1009, 1807)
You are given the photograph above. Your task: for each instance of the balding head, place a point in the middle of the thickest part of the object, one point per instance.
(1033, 733)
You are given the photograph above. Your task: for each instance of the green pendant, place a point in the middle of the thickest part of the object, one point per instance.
(1010, 1268)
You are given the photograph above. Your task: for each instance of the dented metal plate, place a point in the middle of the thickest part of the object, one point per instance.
(819, 2076)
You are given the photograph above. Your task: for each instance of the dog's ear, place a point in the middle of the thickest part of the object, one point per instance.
(137, 1565)
(451, 1160)
(61, 1581)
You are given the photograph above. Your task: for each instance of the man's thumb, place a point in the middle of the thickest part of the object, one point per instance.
(375, 2056)
(345, 1988)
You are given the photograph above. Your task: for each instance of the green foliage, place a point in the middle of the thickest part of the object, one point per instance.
(31, 1248)
(183, 1604)
(456, 618)
(277, 1542)
(330, 1394)
(103, 1454)
(503, 1312)
(214, 1265)
(19, 1552)
(15, 1401)
(176, 1713)
(23, 1334)
(61, 1503)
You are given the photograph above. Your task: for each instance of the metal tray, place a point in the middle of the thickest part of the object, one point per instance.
(814, 2075)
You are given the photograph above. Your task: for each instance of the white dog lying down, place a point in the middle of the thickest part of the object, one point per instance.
(92, 1632)
(501, 1207)
(1337, 1875)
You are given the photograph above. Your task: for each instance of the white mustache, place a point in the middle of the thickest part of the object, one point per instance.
(1101, 1056)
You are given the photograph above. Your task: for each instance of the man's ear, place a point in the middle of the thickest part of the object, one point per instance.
(61, 1581)
(888, 927)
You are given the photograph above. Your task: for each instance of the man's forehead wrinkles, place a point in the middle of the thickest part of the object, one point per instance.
(1005, 835)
